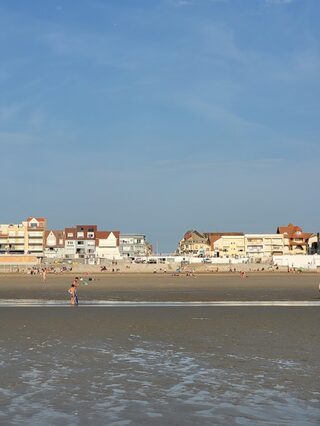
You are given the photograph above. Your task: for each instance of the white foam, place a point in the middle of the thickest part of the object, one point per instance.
(148, 304)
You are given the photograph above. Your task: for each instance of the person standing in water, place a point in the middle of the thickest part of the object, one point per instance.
(76, 284)
(73, 295)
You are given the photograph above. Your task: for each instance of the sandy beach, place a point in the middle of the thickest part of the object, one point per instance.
(139, 287)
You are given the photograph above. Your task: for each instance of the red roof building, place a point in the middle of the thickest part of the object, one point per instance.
(295, 240)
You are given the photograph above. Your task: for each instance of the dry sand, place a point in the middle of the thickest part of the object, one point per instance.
(139, 287)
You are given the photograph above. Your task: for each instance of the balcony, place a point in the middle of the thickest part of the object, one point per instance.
(35, 234)
(15, 240)
(16, 234)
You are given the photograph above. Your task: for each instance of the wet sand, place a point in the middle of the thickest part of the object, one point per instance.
(163, 287)
(161, 365)
(176, 366)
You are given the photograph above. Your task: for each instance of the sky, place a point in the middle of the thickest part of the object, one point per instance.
(159, 116)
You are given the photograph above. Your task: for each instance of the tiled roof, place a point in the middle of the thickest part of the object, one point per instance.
(59, 235)
(190, 234)
(39, 219)
(103, 235)
(292, 231)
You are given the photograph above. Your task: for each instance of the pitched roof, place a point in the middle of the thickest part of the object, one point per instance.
(192, 233)
(39, 219)
(103, 235)
(293, 231)
(59, 235)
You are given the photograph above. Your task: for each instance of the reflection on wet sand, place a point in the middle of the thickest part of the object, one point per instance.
(234, 365)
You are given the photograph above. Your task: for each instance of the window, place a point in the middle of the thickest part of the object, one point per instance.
(70, 234)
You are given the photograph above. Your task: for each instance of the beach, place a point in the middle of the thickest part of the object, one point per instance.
(164, 287)
(161, 364)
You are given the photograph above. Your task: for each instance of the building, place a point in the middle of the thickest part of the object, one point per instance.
(54, 244)
(134, 245)
(13, 238)
(80, 242)
(263, 246)
(227, 244)
(314, 244)
(36, 227)
(107, 245)
(194, 243)
(24, 238)
(295, 240)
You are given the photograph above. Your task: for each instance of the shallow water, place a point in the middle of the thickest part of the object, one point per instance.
(142, 378)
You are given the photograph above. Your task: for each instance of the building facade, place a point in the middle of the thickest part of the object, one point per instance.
(263, 246)
(107, 245)
(314, 244)
(24, 238)
(54, 244)
(80, 242)
(134, 245)
(36, 227)
(228, 245)
(13, 238)
(194, 243)
(295, 240)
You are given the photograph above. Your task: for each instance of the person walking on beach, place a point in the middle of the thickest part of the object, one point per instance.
(73, 295)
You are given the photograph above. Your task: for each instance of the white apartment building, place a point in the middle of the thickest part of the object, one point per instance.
(133, 245)
(263, 246)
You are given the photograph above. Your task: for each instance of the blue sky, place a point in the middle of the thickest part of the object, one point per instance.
(159, 116)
